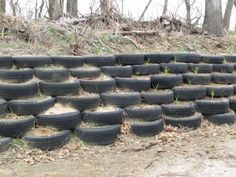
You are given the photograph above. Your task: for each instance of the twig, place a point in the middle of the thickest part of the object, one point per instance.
(138, 33)
(143, 148)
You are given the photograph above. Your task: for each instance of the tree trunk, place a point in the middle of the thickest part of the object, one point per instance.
(2, 6)
(227, 14)
(165, 8)
(188, 9)
(105, 7)
(55, 9)
(213, 22)
(145, 9)
(72, 8)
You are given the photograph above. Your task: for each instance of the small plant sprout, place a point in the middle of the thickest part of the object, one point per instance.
(196, 70)
(147, 61)
(175, 60)
(137, 73)
(176, 99)
(155, 86)
(224, 61)
(118, 63)
(166, 70)
(212, 93)
(189, 81)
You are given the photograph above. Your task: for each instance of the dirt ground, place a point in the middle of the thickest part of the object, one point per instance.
(208, 151)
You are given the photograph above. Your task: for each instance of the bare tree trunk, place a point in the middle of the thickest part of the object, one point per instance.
(165, 8)
(72, 8)
(55, 9)
(213, 22)
(188, 9)
(227, 14)
(105, 7)
(145, 9)
(13, 6)
(2, 6)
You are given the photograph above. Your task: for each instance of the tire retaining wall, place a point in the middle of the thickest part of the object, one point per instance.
(147, 90)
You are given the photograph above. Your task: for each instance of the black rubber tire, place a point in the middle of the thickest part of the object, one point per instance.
(30, 107)
(200, 68)
(82, 74)
(159, 57)
(186, 93)
(68, 61)
(159, 97)
(59, 89)
(224, 78)
(198, 79)
(4, 144)
(213, 59)
(98, 86)
(213, 106)
(104, 118)
(223, 68)
(133, 83)
(146, 114)
(104, 135)
(230, 58)
(147, 128)
(15, 76)
(65, 121)
(100, 60)
(16, 128)
(220, 90)
(87, 102)
(225, 118)
(232, 103)
(6, 62)
(166, 81)
(48, 143)
(15, 91)
(130, 59)
(121, 100)
(175, 68)
(3, 107)
(31, 61)
(146, 69)
(52, 75)
(184, 109)
(188, 57)
(193, 121)
(118, 71)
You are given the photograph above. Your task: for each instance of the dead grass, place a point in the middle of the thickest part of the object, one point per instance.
(21, 37)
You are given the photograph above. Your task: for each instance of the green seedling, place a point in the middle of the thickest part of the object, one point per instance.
(155, 86)
(224, 61)
(118, 63)
(212, 93)
(176, 99)
(189, 81)
(166, 70)
(196, 70)
(175, 60)
(147, 61)
(137, 73)
(18, 143)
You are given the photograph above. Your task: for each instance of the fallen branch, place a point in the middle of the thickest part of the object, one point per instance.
(143, 148)
(138, 33)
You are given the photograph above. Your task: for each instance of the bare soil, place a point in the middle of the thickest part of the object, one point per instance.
(42, 131)
(59, 109)
(208, 151)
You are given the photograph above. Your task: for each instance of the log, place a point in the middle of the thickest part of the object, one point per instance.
(138, 33)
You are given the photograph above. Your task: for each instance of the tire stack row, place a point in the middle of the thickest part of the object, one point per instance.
(149, 90)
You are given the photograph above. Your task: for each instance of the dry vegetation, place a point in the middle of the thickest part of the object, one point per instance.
(68, 37)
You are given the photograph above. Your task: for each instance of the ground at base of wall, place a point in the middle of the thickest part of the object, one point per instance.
(207, 151)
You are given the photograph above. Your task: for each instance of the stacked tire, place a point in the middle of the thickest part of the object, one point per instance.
(182, 114)
(216, 110)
